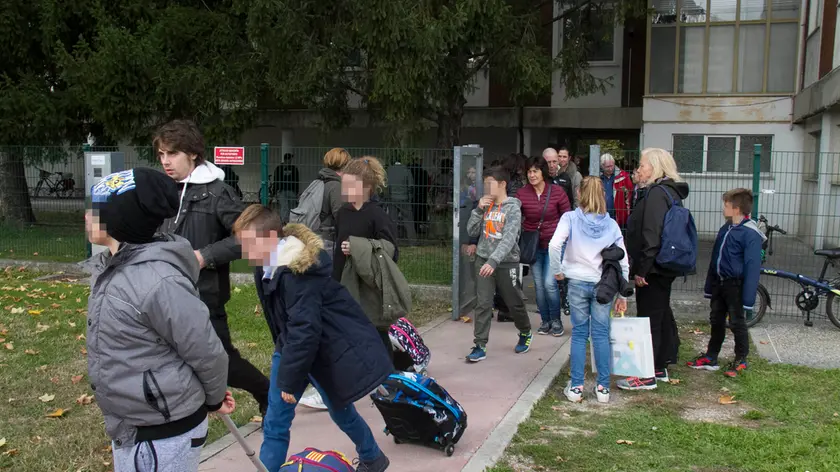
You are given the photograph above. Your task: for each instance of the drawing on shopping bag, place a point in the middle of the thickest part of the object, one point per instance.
(631, 348)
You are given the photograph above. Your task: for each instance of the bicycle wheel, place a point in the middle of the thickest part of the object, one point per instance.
(37, 191)
(762, 301)
(832, 311)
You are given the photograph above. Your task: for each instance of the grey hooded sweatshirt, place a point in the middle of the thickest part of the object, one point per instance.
(498, 230)
(155, 364)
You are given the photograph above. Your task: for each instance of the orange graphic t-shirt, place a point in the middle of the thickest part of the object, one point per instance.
(494, 222)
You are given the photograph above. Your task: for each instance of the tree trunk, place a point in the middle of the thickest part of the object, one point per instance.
(449, 123)
(15, 205)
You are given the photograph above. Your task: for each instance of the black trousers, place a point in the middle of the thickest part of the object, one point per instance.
(727, 300)
(654, 302)
(241, 373)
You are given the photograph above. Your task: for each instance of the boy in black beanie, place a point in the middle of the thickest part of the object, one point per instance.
(154, 361)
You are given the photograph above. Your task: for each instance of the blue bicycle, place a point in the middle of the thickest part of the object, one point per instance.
(812, 289)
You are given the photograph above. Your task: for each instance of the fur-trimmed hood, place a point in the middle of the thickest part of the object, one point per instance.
(301, 250)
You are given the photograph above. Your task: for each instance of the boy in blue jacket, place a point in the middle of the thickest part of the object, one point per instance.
(321, 335)
(732, 281)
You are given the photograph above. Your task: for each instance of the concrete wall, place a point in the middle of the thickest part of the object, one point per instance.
(734, 116)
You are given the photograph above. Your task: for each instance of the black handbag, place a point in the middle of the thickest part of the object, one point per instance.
(529, 241)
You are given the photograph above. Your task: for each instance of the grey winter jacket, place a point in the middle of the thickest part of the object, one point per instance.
(574, 174)
(153, 357)
(498, 230)
(332, 203)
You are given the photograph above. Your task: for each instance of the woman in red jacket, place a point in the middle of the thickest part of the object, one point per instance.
(533, 197)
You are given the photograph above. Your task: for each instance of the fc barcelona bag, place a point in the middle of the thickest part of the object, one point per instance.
(313, 460)
(418, 410)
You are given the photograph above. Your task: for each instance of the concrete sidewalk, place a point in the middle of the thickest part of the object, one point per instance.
(497, 391)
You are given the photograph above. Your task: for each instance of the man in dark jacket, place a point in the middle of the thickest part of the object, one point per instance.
(321, 335)
(207, 209)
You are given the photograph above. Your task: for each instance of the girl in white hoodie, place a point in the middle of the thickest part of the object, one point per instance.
(586, 232)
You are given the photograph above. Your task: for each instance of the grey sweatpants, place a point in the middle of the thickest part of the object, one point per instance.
(176, 454)
(504, 281)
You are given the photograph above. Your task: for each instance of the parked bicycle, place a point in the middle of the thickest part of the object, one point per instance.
(60, 184)
(813, 290)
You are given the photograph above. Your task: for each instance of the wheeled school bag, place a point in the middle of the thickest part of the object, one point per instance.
(418, 410)
(406, 339)
(313, 460)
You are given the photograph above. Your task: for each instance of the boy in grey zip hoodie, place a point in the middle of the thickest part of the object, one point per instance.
(154, 362)
(496, 221)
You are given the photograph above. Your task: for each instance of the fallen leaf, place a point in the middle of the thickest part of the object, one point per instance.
(557, 408)
(35, 312)
(78, 300)
(763, 342)
(674, 381)
(256, 419)
(836, 414)
(727, 399)
(11, 452)
(47, 397)
(40, 328)
(76, 379)
(465, 319)
(55, 380)
(83, 351)
(71, 324)
(4, 331)
(55, 305)
(9, 346)
(559, 459)
(724, 390)
(2, 442)
(257, 309)
(624, 441)
(43, 368)
(57, 413)
(80, 337)
(62, 296)
(85, 399)
(34, 253)
(35, 439)
(237, 290)
(17, 311)
(696, 331)
(251, 345)
(2, 340)
(31, 352)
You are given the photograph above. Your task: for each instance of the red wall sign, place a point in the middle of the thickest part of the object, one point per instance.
(229, 156)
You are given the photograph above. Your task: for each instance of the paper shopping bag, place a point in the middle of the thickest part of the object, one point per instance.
(631, 348)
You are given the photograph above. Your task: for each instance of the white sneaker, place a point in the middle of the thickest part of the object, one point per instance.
(312, 399)
(574, 394)
(602, 393)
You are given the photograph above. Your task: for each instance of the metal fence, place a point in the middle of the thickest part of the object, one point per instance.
(798, 191)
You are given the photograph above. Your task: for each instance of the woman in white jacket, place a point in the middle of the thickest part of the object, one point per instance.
(586, 232)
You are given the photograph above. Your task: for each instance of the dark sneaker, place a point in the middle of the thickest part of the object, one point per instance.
(574, 394)
(545, 328)
(635, 383)
(703, 362)
(662, 375)
(477, 354)
(524, 344)
(557, 329)
(380, 464)
(736, 367)
(602, 394)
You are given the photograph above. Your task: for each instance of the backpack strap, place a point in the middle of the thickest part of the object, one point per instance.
(668, 192)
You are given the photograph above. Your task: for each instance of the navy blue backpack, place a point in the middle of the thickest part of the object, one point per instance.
(678, 250)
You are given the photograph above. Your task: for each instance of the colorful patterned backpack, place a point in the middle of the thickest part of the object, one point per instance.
(405, 338)
(313, 460)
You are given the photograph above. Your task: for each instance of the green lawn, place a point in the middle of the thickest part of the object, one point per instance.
(785, 419)
(65, 243)
(42, 325)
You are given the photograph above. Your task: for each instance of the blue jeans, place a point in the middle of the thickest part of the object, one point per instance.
(278, 423)
(548, 294)
(588, 314)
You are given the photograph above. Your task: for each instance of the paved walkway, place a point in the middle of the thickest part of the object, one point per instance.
(791, 342)
(498, 390)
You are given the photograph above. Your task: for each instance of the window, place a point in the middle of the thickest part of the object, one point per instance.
(723, 46)
(594, 29)
(812, 161)
(697, 153)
